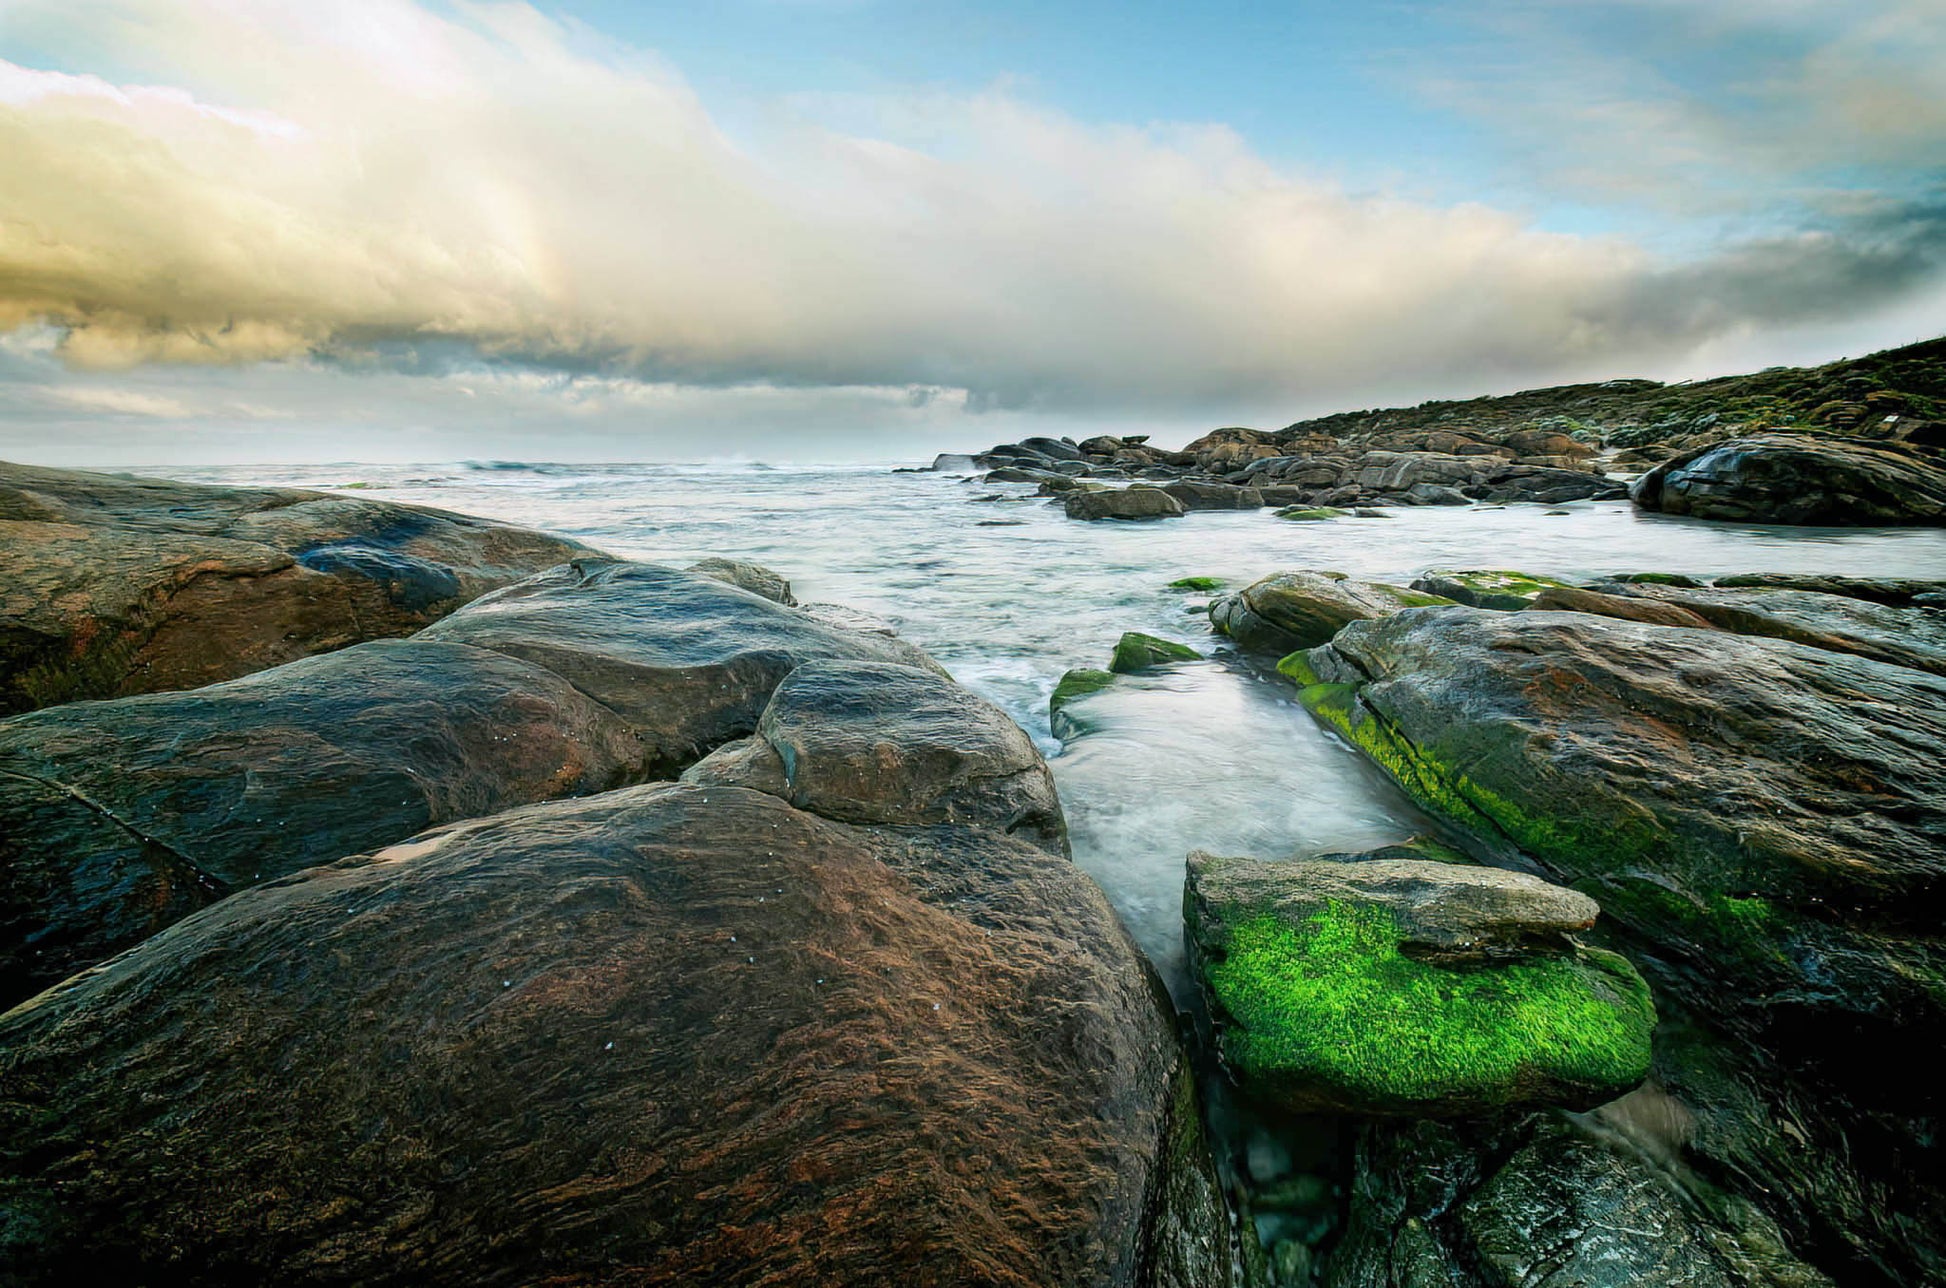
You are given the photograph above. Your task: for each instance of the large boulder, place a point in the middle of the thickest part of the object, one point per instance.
(1500, 588)
(1302, 609)
(1765, 822)
(1794, 478)
(118, 817)
(671, 1034)
(1214, 496)
(875, 742)
(1122, 503)
(1405, 986)
(113, 585)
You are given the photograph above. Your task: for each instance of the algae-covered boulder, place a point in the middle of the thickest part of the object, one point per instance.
(1138, 652)
(1122, 503)
(875, 742)
(670, 1034)
(1310, 513)
(1292, 610)
(1074, 685)
(1795, 478)
(113, 585)
(1485, 587)
(1200, 585)
(1402, 986)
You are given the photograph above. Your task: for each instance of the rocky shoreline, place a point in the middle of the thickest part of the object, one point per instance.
(619, 922)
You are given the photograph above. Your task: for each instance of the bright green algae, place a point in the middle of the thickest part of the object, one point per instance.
(1204, 584)
(1138, 652)
(1334, 1005)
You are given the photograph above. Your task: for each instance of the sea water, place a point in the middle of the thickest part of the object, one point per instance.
(1008, 593)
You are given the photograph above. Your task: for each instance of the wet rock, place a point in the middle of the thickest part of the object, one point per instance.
(1401, 986)
(1215, 496)
(114, 585)
(1896, 591)
(1023, 474)
(874, 742)
(755, 578)
(1076, 684)
(1795, 478)
(1633, 608)
(1310, 513)
(1123, 503)
(117, 818)
(1138, 652)
(671, 1034)
(1766, 820)
(1911, 635)
(1302, 609)
(1485, 587)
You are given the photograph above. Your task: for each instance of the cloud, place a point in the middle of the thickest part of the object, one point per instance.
(121, 402)
(375, 186)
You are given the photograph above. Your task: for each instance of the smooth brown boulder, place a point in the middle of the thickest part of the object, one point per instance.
(1122, 503)
(113, 585)
(117, 818)
(1304, 608)
(673, 1034)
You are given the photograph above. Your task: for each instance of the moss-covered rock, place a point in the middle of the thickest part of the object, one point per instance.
(1076, 684)
(1200, 585)
(1403, 986)
(1310, 513)
(1304, 608)
(1138, 652)
(1500, 588)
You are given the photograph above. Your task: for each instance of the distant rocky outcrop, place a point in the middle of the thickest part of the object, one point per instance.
(112, 585)
(1793, 478)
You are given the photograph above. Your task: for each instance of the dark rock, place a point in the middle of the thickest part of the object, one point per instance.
(1123, 503)
(1401, 986)
(1434, 494)
(1215, 496)
(755, 578)
(1897, 591)
(1902, 635)
(1023, 474)
(1076, 684)
(1293, 610)
(112, 585)
(953, 463)
(1053, 448)
(670, 1034)
(1794, 478)
(1310, 513)
(874, 742)
(1138, 652)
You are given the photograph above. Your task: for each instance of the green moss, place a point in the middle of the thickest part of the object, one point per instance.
(1078, 684)
(1296, 667)
(1202, 584)
(1305, 513)
(1745, 928)
(1138, 652)
(1410, 598)
(1334, 1003)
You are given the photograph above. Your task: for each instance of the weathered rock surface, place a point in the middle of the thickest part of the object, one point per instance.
(875, 742)
(1766, 822)
(1122, 503)
(116, 818)
(113, 585)
(755, 578)
(1074, 685)
(1907, 635)
(1794, 478)
(1302, 609)
(671, 1034)
(1403, 986)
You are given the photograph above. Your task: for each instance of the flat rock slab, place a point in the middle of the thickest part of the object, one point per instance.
(1122, 503)
(113, 585)
(671, 1034)
(1795, 478)
(1405, 986)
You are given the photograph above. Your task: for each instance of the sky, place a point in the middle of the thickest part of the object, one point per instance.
(392, 230)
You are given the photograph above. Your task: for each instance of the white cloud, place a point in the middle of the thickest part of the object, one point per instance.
(120, 402)
(378, 184)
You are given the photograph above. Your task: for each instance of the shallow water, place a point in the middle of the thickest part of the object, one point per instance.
(1008, 594)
